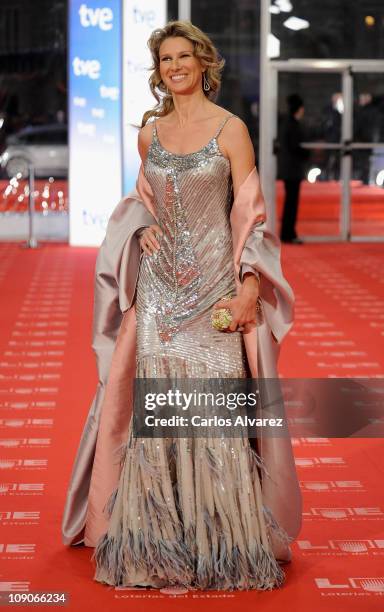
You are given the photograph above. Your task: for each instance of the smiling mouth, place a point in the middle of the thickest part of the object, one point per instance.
(178, 77)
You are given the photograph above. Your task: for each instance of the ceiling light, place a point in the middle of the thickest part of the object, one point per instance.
(295, 23)
(284, 5)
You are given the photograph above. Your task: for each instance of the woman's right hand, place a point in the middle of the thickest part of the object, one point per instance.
(148, 240)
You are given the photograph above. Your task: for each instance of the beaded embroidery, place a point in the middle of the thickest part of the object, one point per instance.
(177, 295)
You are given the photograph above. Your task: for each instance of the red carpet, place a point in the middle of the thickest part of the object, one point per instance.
(320, 206)
(47, 380)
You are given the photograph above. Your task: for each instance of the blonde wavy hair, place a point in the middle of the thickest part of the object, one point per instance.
(204, 50)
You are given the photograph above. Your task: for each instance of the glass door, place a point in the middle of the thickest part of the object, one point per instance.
(317, 158)
(342, 189)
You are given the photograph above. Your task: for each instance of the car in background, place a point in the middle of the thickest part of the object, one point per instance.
(45, 147)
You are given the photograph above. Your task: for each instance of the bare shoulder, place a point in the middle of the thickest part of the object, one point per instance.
(235, 139)
(144, 140)
(236, 128)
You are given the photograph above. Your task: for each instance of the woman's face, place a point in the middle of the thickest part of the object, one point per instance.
(180, 70)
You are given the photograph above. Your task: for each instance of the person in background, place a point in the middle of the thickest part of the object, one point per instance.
(331, 129)
(292, 166)
(366, 123)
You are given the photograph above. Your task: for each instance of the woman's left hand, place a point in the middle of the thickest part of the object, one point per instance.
(243, 306)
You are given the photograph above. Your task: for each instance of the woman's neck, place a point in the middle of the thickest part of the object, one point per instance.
(188, 108)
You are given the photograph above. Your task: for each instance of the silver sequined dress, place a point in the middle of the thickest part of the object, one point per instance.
(188, 511)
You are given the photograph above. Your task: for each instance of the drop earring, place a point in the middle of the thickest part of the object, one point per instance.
(206, 85)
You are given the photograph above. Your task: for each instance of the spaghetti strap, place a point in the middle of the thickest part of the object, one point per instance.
(223, 124)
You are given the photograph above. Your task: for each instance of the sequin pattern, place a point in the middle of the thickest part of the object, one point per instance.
(193, 269)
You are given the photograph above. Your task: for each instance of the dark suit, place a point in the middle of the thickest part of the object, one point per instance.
(292, 158)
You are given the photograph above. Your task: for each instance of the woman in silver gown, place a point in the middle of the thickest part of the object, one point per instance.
(190, 511)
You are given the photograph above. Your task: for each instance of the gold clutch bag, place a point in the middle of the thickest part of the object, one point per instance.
(221, 318)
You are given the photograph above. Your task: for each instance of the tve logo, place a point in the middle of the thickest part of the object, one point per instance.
(90, 68)
(109, 92)
(143, 16)
(95, 220)
(96, 18)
